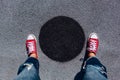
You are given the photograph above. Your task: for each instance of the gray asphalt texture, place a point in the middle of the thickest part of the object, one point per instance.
(18, 18)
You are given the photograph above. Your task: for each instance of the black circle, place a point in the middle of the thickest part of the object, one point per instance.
(61, 38)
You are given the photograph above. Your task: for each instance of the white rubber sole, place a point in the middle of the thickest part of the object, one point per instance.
(93, 35)
(31, 36)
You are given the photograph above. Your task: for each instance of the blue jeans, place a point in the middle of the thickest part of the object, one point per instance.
(92, 70)
(29, 70)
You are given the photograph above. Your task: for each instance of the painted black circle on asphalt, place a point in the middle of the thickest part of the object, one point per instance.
(61, 38)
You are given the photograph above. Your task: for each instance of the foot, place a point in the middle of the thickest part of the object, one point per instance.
(91, 48)
(92, 45)
(31, 46)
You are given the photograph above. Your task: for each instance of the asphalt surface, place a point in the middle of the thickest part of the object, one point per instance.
(18, 18)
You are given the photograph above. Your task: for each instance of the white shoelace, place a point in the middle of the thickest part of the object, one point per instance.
(93, 45)
(31, 46)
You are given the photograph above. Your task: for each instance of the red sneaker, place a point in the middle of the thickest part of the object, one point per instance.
(92, 46)
(93, 43)
(31, 46)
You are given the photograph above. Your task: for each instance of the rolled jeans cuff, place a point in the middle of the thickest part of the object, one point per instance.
(30, 60)
(95, 62)
(34, 61)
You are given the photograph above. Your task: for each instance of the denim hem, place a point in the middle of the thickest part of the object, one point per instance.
(93, 61)
(34, 61)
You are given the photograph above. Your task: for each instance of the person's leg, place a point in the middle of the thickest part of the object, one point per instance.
(29, 70)
(92, 69)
